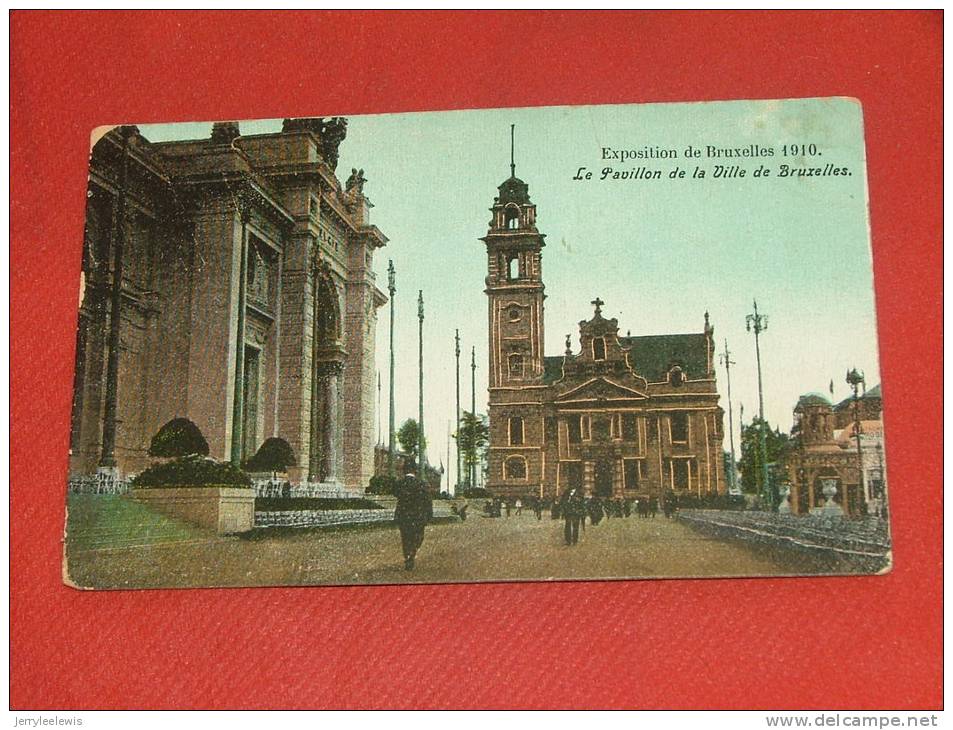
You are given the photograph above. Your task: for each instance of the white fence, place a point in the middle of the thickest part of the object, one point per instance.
(324, 490)
(102, 483)
(322, 517)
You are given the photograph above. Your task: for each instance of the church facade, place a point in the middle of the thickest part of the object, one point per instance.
(620, 416)
(228, 280)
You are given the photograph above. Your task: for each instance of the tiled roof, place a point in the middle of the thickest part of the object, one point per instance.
(652, 356)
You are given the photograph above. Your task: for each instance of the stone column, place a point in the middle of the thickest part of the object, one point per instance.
(330, 374)
(588, 476)
(318, 387)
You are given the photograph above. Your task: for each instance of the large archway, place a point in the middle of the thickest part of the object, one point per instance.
(327, 363)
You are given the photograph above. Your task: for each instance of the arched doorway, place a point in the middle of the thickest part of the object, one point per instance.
(327, 364)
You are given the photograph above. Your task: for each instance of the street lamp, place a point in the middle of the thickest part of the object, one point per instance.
(854, 379)
(725, 359)
(392, 290)
(758, 323)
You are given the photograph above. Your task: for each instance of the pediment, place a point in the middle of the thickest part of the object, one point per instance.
(599, 389)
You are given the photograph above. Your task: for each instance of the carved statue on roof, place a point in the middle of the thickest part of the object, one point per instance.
(356, 181)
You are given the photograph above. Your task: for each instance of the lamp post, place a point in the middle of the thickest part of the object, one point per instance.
(420, 405)
(758, 323)
(392, 290)
(456, 352)
(726, 360)
(473, 410)
(854, 379)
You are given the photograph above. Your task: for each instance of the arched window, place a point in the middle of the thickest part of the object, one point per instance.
(515, 313)
(514, 468)
(515, 362)
(516, 431)
(512, 217)
(675, 376)
(598, 348)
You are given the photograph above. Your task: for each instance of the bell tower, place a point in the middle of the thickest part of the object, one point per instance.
(514, 285)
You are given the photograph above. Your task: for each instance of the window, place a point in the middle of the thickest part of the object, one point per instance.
(598, 348)
(515, 313)
(675, 376)
(681, 473)
(616, 426)
(516, 431)
(679, 427)
(512, 215)
(512, 268)
(515, 361)
(630, 428)
(552, 430)
(632, 471)
(575, 429)
(514, 468)
(585, 426)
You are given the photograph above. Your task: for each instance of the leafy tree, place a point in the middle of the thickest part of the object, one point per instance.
(179, 437)
(274, 455)
(777, 445)
(473, 438)
(408, 436)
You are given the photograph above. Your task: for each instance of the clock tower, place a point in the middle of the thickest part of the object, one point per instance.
(514, 287)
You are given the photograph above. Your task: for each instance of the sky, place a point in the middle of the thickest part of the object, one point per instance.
(660, 253)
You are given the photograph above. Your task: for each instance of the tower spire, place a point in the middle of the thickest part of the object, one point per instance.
(512, 150)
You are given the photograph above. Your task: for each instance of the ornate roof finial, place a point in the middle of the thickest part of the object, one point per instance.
(597, 303)
(512, 150)
(569, 344)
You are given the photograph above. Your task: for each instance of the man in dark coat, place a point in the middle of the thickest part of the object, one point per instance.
(572, 508)
(414, 510)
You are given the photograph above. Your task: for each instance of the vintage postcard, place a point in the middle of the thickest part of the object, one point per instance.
(589, 342)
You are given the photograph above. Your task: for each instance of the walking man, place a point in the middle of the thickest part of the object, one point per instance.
(573, 508)
(414, 510)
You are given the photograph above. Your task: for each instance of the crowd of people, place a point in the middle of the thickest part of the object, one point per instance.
(415, 510)
(575, 508)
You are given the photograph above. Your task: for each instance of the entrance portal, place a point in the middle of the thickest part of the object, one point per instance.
(603, 478)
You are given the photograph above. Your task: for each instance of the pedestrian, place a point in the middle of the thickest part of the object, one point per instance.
(627, 508)
(519, 506)
(414, 510)
(463, 511)
(573, 508)
(538, 509)
(653, 507)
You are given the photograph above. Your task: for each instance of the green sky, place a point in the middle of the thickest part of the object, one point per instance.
(660, 253)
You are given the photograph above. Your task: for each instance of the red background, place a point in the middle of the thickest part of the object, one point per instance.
(866, 642)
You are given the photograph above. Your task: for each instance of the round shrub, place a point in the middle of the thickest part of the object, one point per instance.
(274, 455)
(192, 471)
(179, 437)
(382, 484)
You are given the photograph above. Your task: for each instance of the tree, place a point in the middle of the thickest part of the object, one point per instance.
(179, 437)
(778, 446)
(274, 455)
(408, 436)
(473, 437)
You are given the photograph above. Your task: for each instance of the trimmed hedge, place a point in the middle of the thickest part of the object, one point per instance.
(191, 471)
(382, 484)
(274, 455)
(179, 437)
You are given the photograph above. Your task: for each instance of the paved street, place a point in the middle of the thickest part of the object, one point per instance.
(515, 548)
